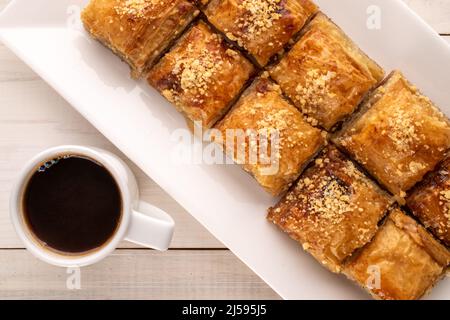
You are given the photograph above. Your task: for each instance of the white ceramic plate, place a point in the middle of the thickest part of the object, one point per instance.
(47, 35)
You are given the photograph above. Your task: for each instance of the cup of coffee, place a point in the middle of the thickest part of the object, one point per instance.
(72, 205)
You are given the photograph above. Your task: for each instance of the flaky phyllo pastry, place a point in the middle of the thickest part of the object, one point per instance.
(399, 136)
(286, 94)
(262, 27)
(333, 210)
(325, 74)
(263, 108)
(201, 75)
(138, 30)
(403, 262)
(430, 202)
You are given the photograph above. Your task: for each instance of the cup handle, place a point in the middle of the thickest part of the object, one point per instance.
(150, 227)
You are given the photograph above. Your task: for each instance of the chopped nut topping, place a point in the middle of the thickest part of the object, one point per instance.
(334, 203)
(315, 89)
(329, 199)
(135, 8)
(259, 17)
(354, 173)
(232, 53)
(445, 195)
(415, 166)
(276, 121)
(333, 210)
(403, 130)
(196, 71)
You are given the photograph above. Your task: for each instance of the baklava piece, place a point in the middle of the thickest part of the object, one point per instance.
(201, 3)
(269, 137)
(137, 30)
(333, 210)
(325, 74)
(430, 202)
(403, 262)
(201, 75)
(262, 27)
(399, 135)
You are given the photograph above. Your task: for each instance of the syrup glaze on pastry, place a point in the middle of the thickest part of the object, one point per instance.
(403, 262)
(262, 109)
(201, 75)
(325, 74)
(262, 27)
(137, 30)
(399, 137)
(333, 210)
(430, 202)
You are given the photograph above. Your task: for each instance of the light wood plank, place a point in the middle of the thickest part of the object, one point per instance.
(34, 117)
(135, 274)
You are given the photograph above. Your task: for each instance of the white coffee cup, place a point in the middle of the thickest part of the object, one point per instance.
(140, 222)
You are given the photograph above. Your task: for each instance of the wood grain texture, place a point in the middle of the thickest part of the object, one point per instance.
(33, 117)
(135, 274)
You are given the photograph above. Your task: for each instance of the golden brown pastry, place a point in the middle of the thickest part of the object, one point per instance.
(403, 262)
(202, 3)
(399, 136)
(333, 210)
(325, 74)
(137, 30)
(262, 111)
(201, 75)
(430, 202)
(262, 27)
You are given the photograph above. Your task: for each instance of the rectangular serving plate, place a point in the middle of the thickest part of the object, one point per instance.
(48, 36)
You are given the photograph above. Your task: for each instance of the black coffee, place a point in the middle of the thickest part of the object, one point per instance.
(72, 204)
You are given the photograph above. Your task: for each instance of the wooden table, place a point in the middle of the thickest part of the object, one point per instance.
(34, 117)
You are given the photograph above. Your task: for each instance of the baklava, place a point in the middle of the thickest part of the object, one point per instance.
(399, 135)
(325, 74)
(333, 210)
(430, 202)
(274, 132)
(201, 75)
(403, 262)
(201, 3)
(261, 27)
(138, 31)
